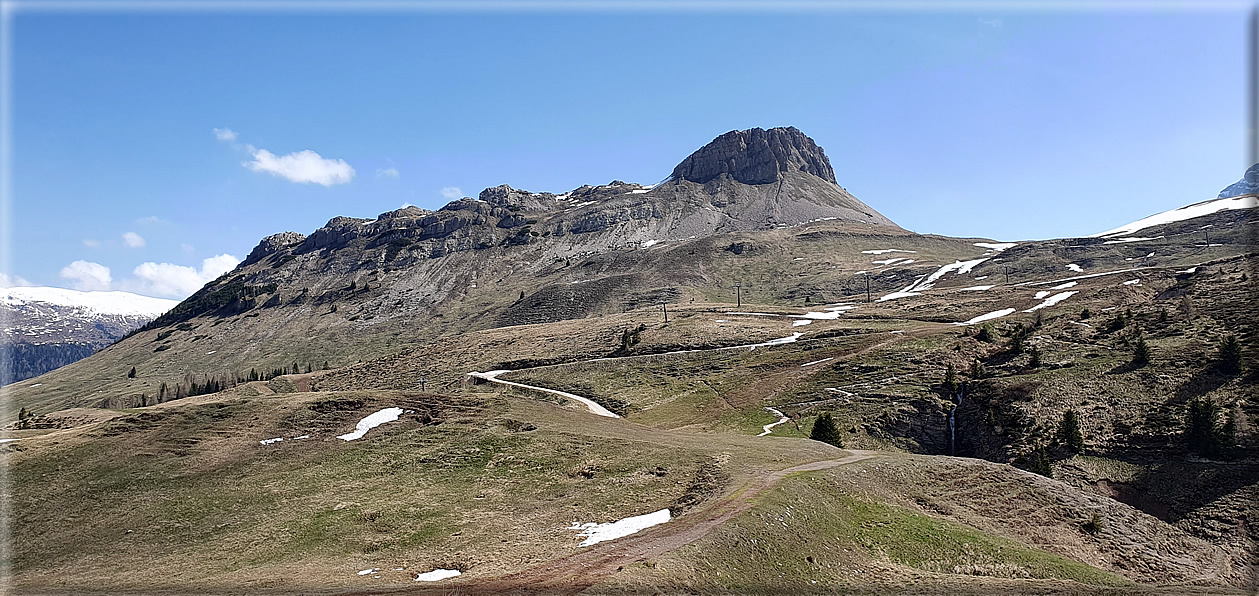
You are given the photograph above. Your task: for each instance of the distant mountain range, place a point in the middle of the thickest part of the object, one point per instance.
(47, 328)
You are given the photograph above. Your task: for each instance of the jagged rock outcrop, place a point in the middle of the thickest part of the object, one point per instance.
(513, 199)
(756, 156)
(273, 244)
(1248, 185)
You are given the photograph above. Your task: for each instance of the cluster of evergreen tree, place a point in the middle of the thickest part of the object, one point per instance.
(24, 361)
(1205, 434)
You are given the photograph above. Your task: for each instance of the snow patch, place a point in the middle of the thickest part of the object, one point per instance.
(1127, 240)
(816, 362)
(1063, 286)
(1183, 213)
(768, 428)
(368, 571)
(1074, 267)
(1052, 300)
(437, 575)
(997, 246)
(1189, 270)
(883, 251)
(371, 421)
(977, 288)
(271, 441)
(1132, 282)
(1042, 294)
(593, 406)
(801, 323)
(7, 440)
(996, 314)
(650, 243)
(596, 533)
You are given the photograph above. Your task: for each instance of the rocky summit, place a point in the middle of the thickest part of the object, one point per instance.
(756, 156)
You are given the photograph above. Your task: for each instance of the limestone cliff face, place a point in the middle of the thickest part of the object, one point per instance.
(741, 181)
(756, 156)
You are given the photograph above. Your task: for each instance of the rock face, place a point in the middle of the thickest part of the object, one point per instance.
(273, 244)
(1248, 185)
(756, 156)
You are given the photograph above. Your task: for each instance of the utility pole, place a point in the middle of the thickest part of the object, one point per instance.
(666, 311)
(738, 295)
(867, 288)
(423, 380)
(1006, 270)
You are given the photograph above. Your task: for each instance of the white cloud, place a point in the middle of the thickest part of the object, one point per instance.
(179, 281)
(7, 281)
(302, 167)
(188, 248)
(88, 242)
(225, 134)
(452, 192)
(133, 239)
(86, 275)
(386, 172)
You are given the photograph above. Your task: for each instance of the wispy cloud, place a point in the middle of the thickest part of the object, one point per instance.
(452, 192)
(8, 281)
(179, 281)
(86, 275)
(188, 248)
(133, 239)
(225, 134)
(302, 167)
(151, 220)
(386, 172)
(88, 242)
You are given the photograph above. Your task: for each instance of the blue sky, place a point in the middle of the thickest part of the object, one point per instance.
(1007, 125)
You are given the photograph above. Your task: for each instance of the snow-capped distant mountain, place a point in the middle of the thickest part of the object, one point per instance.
(52, 327)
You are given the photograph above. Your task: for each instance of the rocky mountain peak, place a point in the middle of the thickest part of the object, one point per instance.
(1248, 185)
(756, 156)
(273, 244)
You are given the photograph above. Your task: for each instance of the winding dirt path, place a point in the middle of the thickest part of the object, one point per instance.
(572, 574)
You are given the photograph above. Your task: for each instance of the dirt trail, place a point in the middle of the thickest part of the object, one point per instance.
(574, 573)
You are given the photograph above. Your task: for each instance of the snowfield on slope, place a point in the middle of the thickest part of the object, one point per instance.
(109, 303)
(596, 533)
(371, 421)
(1181, 214)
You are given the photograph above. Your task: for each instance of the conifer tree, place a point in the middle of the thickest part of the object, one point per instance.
(1230, 355)
(132, 373)
(1069, 432)
(1140, 352)
(826, 431)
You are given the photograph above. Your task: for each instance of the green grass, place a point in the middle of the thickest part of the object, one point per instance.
(805, 535)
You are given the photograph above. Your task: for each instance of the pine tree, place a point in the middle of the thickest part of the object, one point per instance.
(1069, 434)
(1230, 355)
(950, 379)
(1084, 314)
(1140, 352)
(1200, 426)
(826, 431)
(132, 373)
(23, 414)
(1040, 464)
